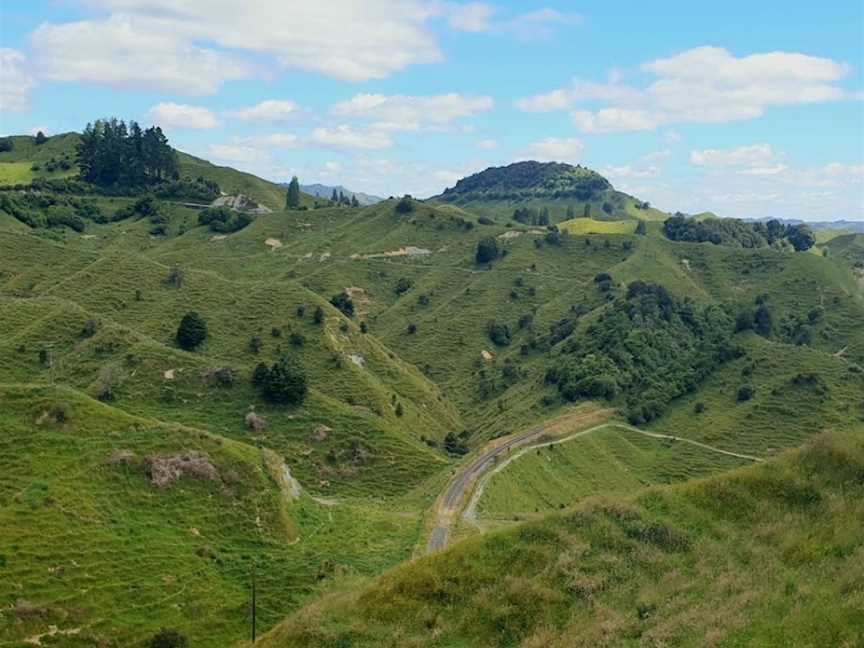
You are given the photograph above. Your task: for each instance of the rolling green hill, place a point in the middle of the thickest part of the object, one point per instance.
(437, 356)
(56, 159)
(768, 555)
(564, 190)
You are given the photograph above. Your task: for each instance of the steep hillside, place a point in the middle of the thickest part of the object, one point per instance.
(112, 526)
(564, 191)
(769, 555)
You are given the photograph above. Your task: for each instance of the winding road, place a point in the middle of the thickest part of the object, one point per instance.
(462, 492)
(451, 502)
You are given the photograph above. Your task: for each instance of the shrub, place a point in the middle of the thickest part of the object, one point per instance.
(284, 383)
(296, 339)
(343, 302)
(91, 326)
(191, 332)
(318, 315)
(364, 328)
(485, 221)
(499, 334)
(399, 410)
(455, 445)
(745, 393)
(260, 374)
(403, 285)
(168, 639)
(405, 205)
(487, 250)
(255, 344)
(412, 329)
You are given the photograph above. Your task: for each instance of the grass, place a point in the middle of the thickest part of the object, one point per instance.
(591, 226)
(769, 555)
(611, 461)
(384, 469)
(95, 546)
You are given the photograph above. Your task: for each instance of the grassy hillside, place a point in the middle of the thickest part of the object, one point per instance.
(440, 355)
(90, 544)
(27, 161)
(769, 555)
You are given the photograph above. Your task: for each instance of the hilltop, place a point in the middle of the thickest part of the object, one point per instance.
(564, 190)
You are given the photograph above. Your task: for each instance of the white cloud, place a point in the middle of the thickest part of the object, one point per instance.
(172, 115)
(657, 156)
(487, 144)
(131, 52)
(481, 17)
(158, 43)
(272, 141)
(613, 120)
(552, 149)
(579, 91)
(345, 137)
(701, 85)
(17, 81)
(757, 155)
(270, 110)
(471, 17)
(238, 154)
(411, 113)
(628, 171)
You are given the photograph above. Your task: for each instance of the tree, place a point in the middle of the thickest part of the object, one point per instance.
(745, 393)
(285, 383)
(168, 639)
(318, 315)
(454, 445)
(641, 228)
(762, 321)
(292, 200)
(354, 201)
(192, 331)
(499, 334)
(487, 250)
(405, 205)
(334, 198)
(343, 302)
(801, 237)
(260, 374)
(403, 285)
(40, 138)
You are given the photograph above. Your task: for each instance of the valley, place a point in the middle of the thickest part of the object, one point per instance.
(608, 405)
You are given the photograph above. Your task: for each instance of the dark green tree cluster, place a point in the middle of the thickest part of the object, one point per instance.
(455, 444)
(646, 349)
(192, 331)
(110, 153)
(344, 303)
(339, 198)
(487, 250)
(531, 216)
(224, 220)
(38, 210)
(499, 334)
(405, 205)
(283, 383)
(738, 233)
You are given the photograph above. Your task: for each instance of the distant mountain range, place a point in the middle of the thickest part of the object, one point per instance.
(326, 191)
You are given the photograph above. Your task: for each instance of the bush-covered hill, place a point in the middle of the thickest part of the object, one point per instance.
(564, 191)
(769, 555)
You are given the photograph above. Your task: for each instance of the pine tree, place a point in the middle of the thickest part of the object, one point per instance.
(354, 201)
(335, 197)
(641, 230)
(293, 199)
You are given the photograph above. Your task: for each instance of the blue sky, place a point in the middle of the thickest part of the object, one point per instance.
(747, 109)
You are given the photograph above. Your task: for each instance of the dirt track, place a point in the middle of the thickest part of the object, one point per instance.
(451, 502)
